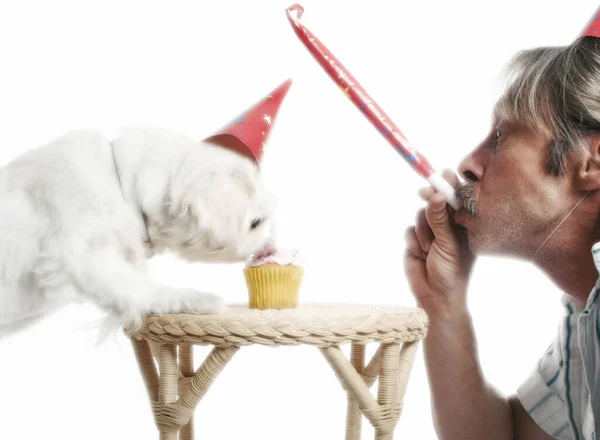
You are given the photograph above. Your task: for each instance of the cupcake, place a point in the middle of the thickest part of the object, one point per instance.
(273, 277)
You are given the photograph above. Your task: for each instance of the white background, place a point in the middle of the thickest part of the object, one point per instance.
(345, 197)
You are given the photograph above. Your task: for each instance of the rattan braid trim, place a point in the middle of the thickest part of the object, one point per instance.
(321, 325)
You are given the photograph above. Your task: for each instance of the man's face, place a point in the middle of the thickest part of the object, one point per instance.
(516, 202)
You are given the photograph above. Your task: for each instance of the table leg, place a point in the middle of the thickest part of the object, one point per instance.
(154, 349)
(393, 363)
(387, 391)
(167, 393)
(205, 375)
(173, 398)
(352, 382)
(354, 415)
(186, 366)
(147, 367)
(394, 370)
(407, 358)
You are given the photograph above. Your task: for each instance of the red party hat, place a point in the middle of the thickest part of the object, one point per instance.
(593, 27)
(248, 133)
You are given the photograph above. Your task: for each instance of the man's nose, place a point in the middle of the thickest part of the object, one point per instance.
(473, 166)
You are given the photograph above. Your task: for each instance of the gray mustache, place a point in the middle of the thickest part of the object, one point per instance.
(466, 195)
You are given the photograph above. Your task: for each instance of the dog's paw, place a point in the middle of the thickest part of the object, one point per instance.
(190, 301)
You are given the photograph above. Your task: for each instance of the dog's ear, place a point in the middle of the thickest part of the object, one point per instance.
(208, 212)
(187, 217)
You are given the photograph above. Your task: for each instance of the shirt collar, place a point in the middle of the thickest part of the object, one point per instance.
(592, 300)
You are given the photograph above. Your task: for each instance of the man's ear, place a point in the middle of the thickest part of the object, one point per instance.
(587, 171)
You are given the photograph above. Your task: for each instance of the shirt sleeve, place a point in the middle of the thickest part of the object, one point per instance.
(541, 394)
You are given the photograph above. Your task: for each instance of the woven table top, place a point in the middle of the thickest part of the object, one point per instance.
(320, 325)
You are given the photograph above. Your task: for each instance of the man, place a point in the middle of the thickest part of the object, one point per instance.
(531, 190)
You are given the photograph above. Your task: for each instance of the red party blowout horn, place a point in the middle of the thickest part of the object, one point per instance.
(369, 108)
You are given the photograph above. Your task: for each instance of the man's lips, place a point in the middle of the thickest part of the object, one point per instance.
(460, 217)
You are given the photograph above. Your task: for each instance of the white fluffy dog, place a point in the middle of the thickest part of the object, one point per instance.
(80, 216)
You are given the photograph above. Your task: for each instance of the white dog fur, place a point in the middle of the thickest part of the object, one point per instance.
(67, 234)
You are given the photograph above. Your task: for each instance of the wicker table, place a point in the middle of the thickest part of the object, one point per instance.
(175, 392)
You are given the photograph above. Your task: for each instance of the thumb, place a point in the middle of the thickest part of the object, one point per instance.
(439, 221)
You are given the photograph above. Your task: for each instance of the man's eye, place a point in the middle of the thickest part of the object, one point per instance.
(498, 139)
(256, 223)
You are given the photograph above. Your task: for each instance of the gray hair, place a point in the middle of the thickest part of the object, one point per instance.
(556, 92)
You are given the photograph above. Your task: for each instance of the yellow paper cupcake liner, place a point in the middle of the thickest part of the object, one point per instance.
(273, 287)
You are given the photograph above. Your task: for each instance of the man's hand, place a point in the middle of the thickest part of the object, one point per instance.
(438, 264)
(437, 260)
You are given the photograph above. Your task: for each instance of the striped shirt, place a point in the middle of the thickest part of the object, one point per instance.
(562, 395)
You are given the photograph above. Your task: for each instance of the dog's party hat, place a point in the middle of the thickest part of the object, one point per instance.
(248, 133)
(593, 27)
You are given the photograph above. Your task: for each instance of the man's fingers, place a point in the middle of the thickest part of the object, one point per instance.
(423, 231)
(450, 177)
(413, 246)
(416, 272)
(439, 221)
(426, 192)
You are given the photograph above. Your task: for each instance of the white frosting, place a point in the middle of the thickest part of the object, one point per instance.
(271, 255)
